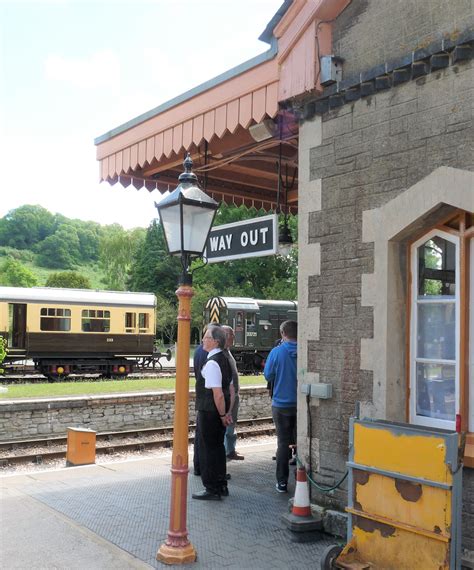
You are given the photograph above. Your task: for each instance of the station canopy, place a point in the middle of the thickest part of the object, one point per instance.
(240, 128)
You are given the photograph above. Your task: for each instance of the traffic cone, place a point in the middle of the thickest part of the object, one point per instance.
(303, 525)
(301, 507)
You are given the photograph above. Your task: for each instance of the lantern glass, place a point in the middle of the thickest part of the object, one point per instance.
(186, 227)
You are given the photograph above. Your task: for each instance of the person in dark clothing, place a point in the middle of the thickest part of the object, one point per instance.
(280, 370)
(214, 401)
(200, 357)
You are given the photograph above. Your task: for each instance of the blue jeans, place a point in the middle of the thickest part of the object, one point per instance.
(230, 435)
(285, 425)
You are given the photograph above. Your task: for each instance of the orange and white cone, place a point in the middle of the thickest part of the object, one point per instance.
(301, 507)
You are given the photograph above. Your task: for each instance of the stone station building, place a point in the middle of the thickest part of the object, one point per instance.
(372, 101)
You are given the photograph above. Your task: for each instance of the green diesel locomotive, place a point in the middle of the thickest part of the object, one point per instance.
(256, 324)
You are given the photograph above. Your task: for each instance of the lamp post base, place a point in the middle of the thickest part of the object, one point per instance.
(176, 554)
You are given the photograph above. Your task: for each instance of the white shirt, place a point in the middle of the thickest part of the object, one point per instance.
(211, 371)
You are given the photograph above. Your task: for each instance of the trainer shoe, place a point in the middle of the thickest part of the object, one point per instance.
(282, 487)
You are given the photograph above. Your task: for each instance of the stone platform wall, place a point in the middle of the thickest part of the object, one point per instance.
(29, 418)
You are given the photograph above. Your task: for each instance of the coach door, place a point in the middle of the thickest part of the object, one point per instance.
(17, 328)
(239, 329)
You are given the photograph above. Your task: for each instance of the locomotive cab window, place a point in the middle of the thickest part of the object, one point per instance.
(130, 322)
(143, 322)
(95, 320)
(53, 319)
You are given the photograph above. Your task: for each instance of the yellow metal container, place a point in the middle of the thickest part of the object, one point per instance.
(80, 446)
(404, 498)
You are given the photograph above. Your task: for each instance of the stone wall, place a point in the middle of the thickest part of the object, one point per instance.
(357, 164)
(35, 418)
(371, 32)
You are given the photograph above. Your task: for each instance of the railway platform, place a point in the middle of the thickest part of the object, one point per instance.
(115, 516)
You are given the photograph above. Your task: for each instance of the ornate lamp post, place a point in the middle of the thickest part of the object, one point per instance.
(186, 215)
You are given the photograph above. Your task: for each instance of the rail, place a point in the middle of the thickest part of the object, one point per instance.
(46, 449)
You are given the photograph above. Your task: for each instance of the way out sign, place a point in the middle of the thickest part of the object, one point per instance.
(249, 238)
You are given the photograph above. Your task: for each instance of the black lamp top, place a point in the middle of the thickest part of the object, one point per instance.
(188, 175)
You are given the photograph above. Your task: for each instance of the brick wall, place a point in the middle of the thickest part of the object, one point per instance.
(370, 32)
(35, 418)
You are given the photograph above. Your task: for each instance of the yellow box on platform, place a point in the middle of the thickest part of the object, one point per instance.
(80, 446)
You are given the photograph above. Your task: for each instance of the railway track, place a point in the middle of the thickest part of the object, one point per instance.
(32, 377)
(40, 451)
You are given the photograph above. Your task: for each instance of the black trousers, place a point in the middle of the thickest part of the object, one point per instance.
(285, 426)
(212, 457)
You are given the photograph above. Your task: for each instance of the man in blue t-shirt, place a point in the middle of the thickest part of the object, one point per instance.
(280, 371)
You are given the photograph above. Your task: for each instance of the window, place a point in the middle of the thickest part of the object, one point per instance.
(95, 320)
(143, 321)
(434, 347)
(250, 319)
(53, 319)
(130, 322)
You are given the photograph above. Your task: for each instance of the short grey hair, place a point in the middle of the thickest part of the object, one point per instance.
(218, 334)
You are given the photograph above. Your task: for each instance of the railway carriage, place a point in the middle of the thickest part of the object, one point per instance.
(256, 324)
(65, 331)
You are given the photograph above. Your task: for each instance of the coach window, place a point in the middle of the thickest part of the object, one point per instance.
(130, 322)
(94, 320)
(143, 322)
(57, 320)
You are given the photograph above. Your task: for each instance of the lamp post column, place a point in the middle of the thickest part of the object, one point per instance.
(177, 549)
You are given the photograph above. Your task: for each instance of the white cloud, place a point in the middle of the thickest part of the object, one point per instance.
(98, 70)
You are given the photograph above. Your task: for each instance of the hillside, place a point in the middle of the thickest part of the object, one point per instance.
(34, 244)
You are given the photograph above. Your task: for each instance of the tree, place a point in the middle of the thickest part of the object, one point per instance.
(118, 249)
(166, 319)
(23, 227)
(153, 269)
(60, 250)
(14, 274)
(71, 279)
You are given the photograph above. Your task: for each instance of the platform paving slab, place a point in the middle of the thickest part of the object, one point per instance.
(116, 516)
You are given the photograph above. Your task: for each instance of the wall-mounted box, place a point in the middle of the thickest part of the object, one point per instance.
(318, 390)
(331, 69)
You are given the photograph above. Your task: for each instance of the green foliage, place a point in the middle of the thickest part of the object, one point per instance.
(3, 351)
(71, 279)
(60, 250)
(118, 249)
(14, 274)
(153, 270)
(166, 319)
(23, 227)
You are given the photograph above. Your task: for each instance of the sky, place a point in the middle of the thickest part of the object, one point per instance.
(71, 70)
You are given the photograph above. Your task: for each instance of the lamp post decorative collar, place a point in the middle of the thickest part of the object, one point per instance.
(186, 216)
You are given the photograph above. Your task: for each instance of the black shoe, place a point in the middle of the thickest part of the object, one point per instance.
(206, 496)
(227, 476)
(224, 492)
(197, 473)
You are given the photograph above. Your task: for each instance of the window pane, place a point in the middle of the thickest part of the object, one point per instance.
(59, 312)
(43, 312)
(437, 268)
(67, 312)
(436, 330)
(435, 391)
(55, 324)
(143, 320)
(51, 312)
(107, 314)
(129, 320)
(100, 314)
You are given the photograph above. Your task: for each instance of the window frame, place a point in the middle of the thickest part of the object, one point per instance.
(66, 317)
(96, 318)
(413, 332)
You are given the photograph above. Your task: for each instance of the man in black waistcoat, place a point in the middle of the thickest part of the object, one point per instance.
(214, 400)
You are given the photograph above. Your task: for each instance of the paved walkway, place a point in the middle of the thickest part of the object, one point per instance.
(116, 516)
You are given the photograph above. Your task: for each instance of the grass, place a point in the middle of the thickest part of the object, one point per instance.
(99, 387)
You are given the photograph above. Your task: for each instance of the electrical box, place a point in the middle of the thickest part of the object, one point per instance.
(317, 390)
(331, 69)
